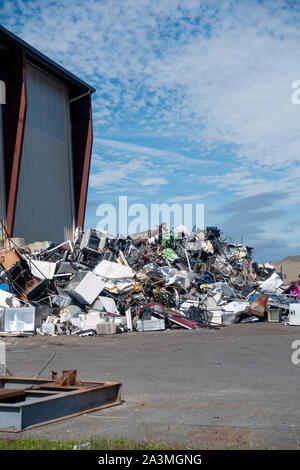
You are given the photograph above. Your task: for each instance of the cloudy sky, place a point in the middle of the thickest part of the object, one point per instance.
(193, 105)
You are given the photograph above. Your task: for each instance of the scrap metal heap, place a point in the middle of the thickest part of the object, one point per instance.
(100, 284)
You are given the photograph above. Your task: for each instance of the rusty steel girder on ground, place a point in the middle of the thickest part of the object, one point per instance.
(29, 402)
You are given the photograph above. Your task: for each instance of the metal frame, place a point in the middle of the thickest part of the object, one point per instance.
(42, 401)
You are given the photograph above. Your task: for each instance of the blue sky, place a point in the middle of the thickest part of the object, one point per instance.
(193, 104)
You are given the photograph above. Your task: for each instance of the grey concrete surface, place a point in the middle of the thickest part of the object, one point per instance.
(234, 387)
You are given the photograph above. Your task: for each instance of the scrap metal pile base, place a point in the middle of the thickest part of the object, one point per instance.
(28, 402)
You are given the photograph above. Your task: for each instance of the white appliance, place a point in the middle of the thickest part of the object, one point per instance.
(19, 319)
(85, 287)
(294, 316)
(151, 325)
(274, 315)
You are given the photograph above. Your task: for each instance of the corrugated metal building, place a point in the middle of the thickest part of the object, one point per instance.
(45, 144)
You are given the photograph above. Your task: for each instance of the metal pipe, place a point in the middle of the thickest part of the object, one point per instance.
(44, 367)
(80, 96)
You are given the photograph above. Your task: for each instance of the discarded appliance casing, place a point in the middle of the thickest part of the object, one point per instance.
(42, 269)
(106, 328)
(49, 329)
(85, 287)
(30, 402)
(62, 301)
(154, 324)
(294, 315)
(258, 306)
(93, 240)
(9, 259)
(274, 315)
(36, 289)
(8, 300)
(19, 319)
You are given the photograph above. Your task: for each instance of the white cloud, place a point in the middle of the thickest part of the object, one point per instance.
(167, 155)
(194, 197)
(154, 181)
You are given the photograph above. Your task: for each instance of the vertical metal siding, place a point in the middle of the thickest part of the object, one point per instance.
(44, 209)
(2, 180)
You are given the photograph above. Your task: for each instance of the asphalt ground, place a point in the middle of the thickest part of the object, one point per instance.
(235, 387)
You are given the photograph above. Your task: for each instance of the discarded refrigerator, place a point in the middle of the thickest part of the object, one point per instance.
(294, 315)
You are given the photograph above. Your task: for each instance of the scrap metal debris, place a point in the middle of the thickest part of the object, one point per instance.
(99, 284)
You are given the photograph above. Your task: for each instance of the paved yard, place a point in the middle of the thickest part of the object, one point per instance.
(233, 387)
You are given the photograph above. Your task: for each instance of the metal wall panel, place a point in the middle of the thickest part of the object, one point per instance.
(45, 203)
(2, 181)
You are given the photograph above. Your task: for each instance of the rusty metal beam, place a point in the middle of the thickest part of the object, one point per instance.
(13, 72)
(82, 140)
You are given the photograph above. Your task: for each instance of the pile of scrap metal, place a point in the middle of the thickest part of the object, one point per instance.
(100, 284)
